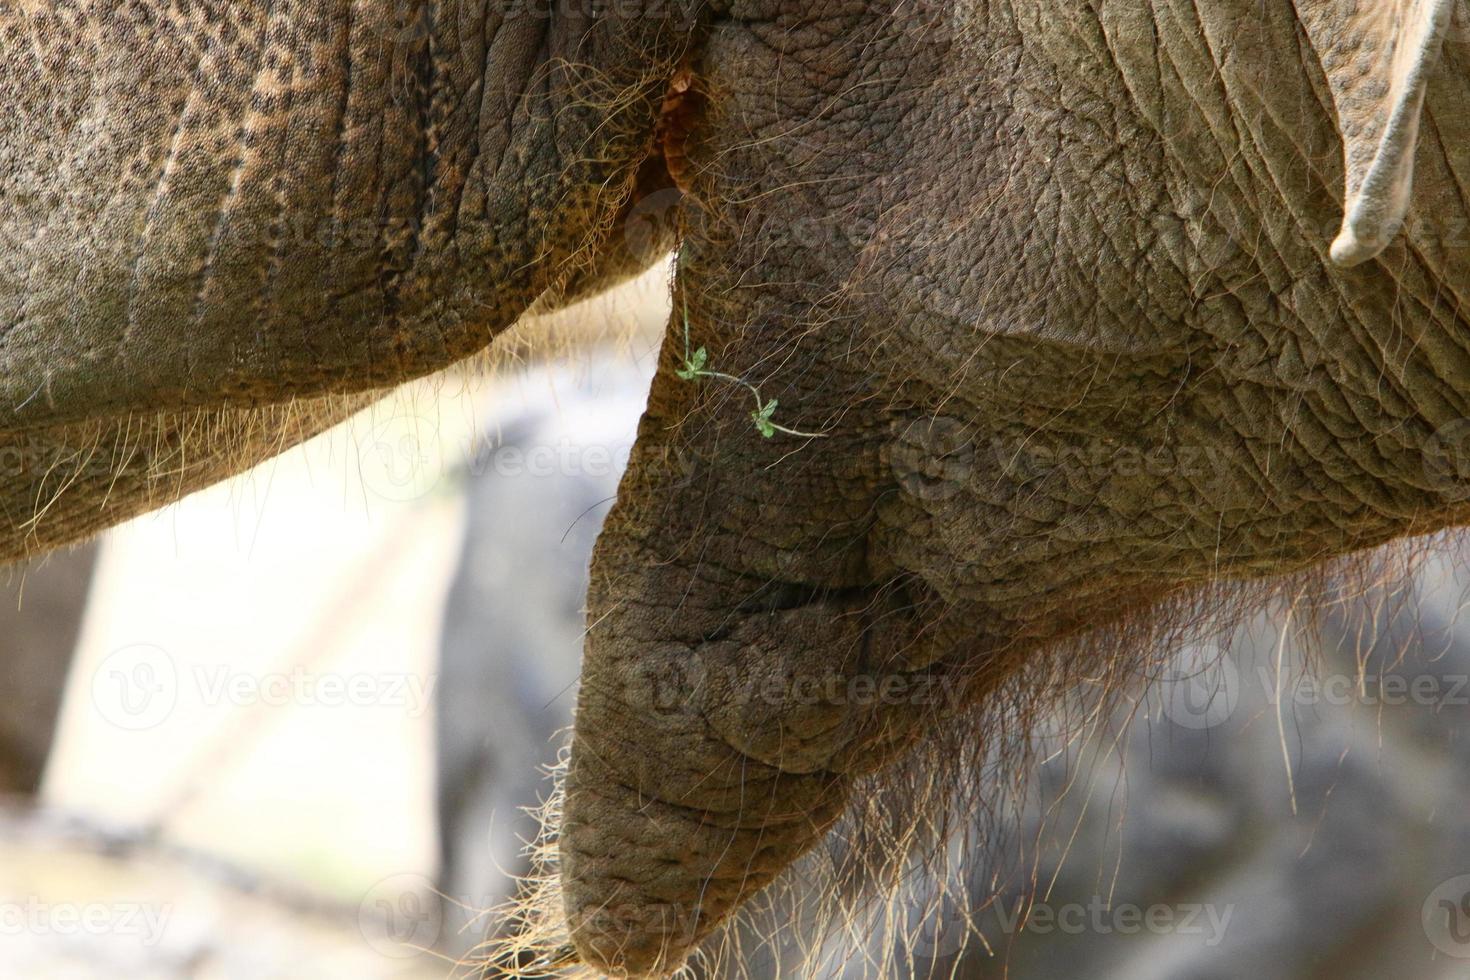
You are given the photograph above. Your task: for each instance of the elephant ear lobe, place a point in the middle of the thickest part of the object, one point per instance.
(1378, 55)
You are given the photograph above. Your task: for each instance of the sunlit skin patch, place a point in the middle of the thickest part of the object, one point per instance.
(682, 107)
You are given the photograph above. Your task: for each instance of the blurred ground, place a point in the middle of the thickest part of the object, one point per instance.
(78, 902)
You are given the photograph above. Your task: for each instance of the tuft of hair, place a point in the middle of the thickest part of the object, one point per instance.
(61, 485)
(932, 843)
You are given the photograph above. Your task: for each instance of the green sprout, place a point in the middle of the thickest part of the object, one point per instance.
(696, 367)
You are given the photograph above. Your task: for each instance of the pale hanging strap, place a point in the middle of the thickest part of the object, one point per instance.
(1377, 55)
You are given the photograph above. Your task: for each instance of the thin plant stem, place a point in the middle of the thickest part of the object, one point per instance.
(763, 416)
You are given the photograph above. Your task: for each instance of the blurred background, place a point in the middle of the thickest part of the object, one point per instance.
(289, 728)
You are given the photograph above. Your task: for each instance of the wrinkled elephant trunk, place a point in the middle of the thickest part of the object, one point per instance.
(732, 692)
(700, 771)
(654, 861)
(673, 818)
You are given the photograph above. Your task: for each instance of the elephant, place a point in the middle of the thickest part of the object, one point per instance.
(1011, 341)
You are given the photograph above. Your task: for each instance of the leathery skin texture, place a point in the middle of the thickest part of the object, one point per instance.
(1054, 287)
(217, 219)
(1044, 293)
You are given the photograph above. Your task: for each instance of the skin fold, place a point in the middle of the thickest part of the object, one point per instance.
(1075, 309)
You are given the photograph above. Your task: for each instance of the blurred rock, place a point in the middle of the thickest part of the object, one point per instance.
(537, 493)
(41, 606)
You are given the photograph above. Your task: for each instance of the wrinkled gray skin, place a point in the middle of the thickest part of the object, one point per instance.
(962, 240)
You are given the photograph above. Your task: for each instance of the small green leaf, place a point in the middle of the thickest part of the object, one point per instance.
(762, 417)
(693, 365)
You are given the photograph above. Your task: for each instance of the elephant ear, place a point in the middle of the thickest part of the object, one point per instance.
(1378, 55)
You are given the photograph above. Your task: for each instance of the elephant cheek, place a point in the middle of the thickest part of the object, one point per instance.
(700, 771)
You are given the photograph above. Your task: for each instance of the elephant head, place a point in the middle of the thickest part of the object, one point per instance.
(1006, 337)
